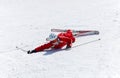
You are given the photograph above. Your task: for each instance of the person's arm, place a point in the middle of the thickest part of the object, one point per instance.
(67, 40)
(43, 47)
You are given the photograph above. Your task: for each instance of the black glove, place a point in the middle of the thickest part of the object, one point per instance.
(30, 52)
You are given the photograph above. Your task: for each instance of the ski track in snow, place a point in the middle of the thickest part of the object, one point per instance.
(27, 23)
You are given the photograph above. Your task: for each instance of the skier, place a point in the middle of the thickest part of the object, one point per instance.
(56, 42)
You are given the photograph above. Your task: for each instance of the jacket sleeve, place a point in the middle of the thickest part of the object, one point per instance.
(43, 47)
(66, 39)
(70, 35)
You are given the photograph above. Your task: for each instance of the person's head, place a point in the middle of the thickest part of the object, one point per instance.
(51, 37)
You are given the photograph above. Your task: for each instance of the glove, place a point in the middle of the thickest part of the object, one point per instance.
(68, 47)
(30, 52)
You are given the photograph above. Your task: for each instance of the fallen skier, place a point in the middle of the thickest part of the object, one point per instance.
(63, 39)
(56, 42)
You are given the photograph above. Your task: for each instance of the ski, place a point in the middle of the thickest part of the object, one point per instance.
(86, 34)
(78, 33)
(64, 30)
(74, 31)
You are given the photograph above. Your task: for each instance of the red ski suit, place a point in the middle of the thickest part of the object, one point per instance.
(63, 39)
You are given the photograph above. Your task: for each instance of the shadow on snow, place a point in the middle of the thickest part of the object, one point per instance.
(49, 52)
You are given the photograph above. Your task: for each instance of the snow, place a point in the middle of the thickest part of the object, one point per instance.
(26, 23)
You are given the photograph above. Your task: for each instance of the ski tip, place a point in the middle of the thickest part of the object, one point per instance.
(97, 32)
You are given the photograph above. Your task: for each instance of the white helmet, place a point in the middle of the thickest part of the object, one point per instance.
(51, 37)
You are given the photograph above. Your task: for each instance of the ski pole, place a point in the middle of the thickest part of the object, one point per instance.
(87, 42)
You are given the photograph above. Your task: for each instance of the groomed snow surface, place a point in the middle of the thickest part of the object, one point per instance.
(26, 23)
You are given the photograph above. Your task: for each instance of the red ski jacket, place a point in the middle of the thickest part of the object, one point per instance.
(63, 39)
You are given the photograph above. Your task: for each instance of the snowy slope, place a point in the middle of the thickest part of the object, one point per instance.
(26, 23)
